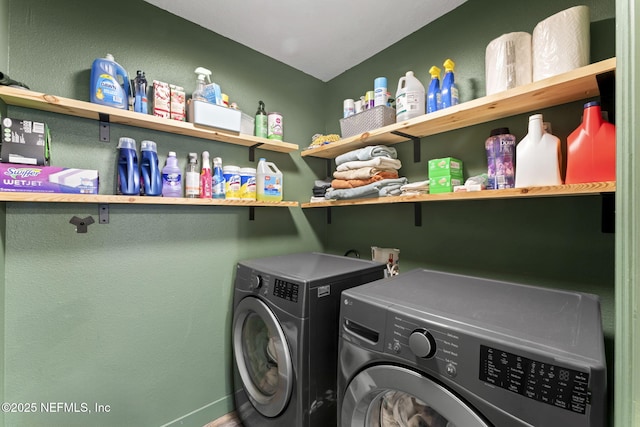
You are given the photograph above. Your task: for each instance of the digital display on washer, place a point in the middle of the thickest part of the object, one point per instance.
(285, 290)
(560, 387)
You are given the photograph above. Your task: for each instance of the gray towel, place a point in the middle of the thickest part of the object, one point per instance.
(385, 187)
(367, 153)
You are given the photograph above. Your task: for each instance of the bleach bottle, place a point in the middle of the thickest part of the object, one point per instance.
(434, 96)
(538, 157)
(109, 83)
(171, 177)
(150, 176)
(128, 179)
(410, 100)
(268, 182)
(449, 88)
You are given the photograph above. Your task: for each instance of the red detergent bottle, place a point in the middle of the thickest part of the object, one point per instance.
(591, 148)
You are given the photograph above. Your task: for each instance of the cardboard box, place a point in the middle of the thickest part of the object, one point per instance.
(447, 166)
(161, 99)
(178, 103)
(47, 179)
(443, 184)
(25, 142)
(215, 116)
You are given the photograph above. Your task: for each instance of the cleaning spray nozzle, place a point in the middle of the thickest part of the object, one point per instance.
(435, 72)
(448, 65)
(202, 72)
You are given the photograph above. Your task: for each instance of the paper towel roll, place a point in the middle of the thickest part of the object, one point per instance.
(508, 62)
(561, 42)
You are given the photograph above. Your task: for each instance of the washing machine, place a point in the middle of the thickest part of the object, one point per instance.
(285, 336)
(434, 349)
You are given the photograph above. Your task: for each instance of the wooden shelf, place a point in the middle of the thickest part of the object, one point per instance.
(72, 107)
(139, 200)
(572, 86)
(592, 188)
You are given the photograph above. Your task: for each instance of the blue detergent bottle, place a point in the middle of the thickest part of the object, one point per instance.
(109, 83)
(150, 176)
(434, 99)
(449, 88)
(128, 179)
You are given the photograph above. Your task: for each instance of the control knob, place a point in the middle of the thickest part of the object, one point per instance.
(422, 344)
(256, 283)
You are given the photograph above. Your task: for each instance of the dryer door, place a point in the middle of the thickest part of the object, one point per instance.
(386, 395)
(262, 356)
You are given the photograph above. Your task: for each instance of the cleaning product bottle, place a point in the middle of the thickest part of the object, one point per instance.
(128, 178)
(171, 177)
(140, 104)
(199, 93)
(192, 177)
(434, 98)
(449, 88)
(379, 91)
(268, 182)
(501, 150)
(591, 148)
(410, 100)
(205, 177)
(538, 157)
(261, 121)
(150, 176)
(218, 186)
(109, 83)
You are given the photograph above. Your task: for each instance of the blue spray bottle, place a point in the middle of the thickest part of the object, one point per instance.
(434, 100)
(128, 175)
(150, 176)
(449, 88)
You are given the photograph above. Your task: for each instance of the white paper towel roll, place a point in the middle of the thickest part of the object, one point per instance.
(561, 43)
(508, 62)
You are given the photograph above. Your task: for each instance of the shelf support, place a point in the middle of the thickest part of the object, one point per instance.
(416, 144)
(103, 127)
(417, 214)
(329, 169)
(608, 212)
(329, 215)
(607, 88)
(252, 152)
(103, 213)
(252, 213)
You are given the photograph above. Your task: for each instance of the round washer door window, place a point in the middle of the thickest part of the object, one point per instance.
(386, 396)
(262, 356)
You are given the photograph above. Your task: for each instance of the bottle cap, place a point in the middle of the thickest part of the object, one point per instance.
(380, 82)
(591, 104)
(172, 153)
(148, 146)
(500, 131)
(448, 65)
(435, 72)
(125, 142)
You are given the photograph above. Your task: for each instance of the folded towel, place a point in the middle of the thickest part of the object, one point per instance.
(367, 153)
(362, 173)
(352, 183)
(378, 162)
(375, 189)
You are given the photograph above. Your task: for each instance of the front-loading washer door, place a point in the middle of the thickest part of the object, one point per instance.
(262, 356)
(387, 395)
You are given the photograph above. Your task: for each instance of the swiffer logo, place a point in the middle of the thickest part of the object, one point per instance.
(22, 172)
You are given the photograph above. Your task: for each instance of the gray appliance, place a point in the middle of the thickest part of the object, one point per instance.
(428, 348)
(285, 336)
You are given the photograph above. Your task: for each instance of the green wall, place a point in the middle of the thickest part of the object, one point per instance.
(135, 314)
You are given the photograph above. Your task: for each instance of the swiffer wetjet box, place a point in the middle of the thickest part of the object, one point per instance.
(47, 179)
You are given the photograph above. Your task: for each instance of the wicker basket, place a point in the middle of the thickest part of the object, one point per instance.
(374, 118)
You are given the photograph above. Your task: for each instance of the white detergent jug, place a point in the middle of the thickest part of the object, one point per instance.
(538, 157)
(410, 98)
(269, 185)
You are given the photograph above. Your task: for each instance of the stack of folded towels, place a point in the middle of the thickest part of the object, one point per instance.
(366, 172)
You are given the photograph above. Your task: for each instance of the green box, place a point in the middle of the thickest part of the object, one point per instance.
(444, 184)
(447, 166)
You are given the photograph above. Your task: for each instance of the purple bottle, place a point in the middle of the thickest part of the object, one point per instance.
(501, 150)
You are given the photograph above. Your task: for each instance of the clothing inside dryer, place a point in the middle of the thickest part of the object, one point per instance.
(260, 354)
(400, 409)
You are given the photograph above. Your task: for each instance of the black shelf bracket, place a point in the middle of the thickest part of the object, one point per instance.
(252, 213)
(329, 215)
(103, 127)
(608, 213)
(417, 214)
(329, 168)
(252, 152)
(103, 213)
(416, 144)
(607, 88)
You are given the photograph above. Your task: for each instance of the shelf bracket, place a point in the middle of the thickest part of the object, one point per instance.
(417, 214)
(608, 213)
(252, 213)
(329, 168)
(103, 213)
(416, 144)
(81, 223)
(252, 152)
(329, 215)
(103, 127)
(607, 87)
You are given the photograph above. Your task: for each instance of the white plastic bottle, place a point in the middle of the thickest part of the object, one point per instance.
(410, 98)
(268, 182)
(538, 157)
(192, 177)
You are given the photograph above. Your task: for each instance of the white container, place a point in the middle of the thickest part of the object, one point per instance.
(248, 183)
(538, 157)
(410, 98)
(348, 108)
(268, 182)
(231, 182)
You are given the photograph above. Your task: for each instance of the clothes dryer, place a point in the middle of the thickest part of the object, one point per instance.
(285, 336)
(433, 349)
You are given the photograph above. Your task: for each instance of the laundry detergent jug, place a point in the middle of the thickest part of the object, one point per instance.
(150, 175)
(128, 175)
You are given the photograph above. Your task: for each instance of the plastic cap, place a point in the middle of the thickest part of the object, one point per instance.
(434, 71)
(500, 131)
(205, 155)
(172, 153)
(592, 104)
(449, 64)
(409, 74)
(380, 82)
(262, 159)
(125, 142)
(109, 57)
(148, 146)
(535, 117)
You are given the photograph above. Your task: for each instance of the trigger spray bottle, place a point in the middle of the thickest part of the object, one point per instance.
(205, 177)
(449, 88)
(434, 97)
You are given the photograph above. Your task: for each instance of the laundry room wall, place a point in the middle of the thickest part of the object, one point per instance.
(555, 242)
(135, 314)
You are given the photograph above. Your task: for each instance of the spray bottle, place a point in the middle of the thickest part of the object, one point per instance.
(192, 177)
(434, 98)
(449, 88)
(199, 93)
(261, 121)
(205, 177)
(218, 190)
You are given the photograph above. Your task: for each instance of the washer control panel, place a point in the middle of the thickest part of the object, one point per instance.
(286, 290)
(558, 386)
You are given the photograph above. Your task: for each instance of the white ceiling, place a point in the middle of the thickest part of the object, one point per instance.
(322, 38)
